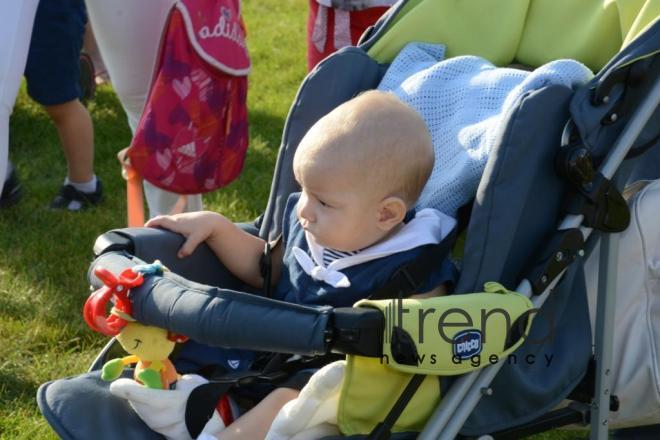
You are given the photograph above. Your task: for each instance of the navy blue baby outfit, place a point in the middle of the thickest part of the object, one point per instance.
(296, 286)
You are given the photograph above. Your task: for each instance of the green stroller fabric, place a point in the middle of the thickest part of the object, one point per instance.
(528, 32)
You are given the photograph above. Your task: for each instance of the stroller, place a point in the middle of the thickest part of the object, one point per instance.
(551, 189)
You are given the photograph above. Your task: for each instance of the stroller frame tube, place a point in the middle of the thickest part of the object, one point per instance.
(462, 398)
(607, 281)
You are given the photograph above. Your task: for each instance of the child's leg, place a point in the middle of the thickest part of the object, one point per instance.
(74, 127)
(255, 423)
(53, 80)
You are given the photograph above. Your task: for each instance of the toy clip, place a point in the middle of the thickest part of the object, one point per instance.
(120, 314)
(148, 347)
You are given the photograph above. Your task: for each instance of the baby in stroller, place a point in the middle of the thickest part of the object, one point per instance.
(361, 168)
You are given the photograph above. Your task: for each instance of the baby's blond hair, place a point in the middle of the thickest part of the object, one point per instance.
(377, 137)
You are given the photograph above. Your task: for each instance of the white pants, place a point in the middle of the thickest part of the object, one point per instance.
(128, 36)
(16, 20)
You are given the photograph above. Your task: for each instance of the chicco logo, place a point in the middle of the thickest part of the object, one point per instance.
(467, 344)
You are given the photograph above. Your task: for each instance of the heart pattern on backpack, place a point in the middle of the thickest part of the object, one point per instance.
(183, 87)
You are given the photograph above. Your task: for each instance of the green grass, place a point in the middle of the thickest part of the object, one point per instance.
(44, 255)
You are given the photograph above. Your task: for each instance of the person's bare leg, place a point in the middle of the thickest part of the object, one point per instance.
(74, 127)
(255, 423)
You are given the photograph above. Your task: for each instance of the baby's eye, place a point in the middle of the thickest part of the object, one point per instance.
(322, 203)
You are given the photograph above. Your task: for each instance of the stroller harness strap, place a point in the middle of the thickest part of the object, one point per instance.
(407, 280)
(383, 430)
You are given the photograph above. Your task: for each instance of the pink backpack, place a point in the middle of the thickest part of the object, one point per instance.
(193, 132)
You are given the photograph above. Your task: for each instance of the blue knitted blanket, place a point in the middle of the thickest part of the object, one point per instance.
(465, 101)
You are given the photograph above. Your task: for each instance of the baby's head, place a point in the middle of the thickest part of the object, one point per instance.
(361, 167)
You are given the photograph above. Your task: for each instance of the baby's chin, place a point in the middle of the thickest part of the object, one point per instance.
(336, 246)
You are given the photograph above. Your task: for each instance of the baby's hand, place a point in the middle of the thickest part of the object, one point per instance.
(196, 227)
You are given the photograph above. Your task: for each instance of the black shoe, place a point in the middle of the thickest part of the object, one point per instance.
(71, 199)
(11, 190)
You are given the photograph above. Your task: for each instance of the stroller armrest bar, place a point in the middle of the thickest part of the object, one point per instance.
(222, 317)
(229, 318)
(138, 241)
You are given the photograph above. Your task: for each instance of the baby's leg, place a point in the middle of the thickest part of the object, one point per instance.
(255, 423)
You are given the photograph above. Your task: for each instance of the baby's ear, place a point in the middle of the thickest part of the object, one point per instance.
(391, 212)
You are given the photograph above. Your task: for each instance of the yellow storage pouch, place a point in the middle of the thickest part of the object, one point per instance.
(369, 391)
(440, 336)
(453, 334)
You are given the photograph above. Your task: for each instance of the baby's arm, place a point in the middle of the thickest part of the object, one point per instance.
(441, 290)
(237, 249)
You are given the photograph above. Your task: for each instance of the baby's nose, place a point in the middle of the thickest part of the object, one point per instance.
(305, 213)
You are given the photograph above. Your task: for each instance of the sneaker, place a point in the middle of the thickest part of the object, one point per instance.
(71, 199)
(11, 190)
